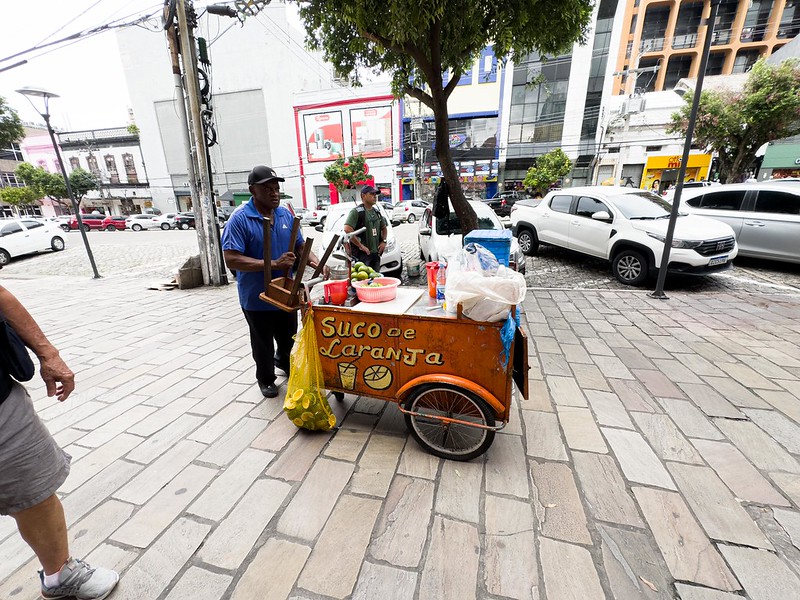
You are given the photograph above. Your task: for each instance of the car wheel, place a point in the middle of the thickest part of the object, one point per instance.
(630, 267)
(64, 227)
(111, 228)
(57, 244)
(86, 227)
(322, 221)
(411, 218)
(165, 226)
(136, 227)
(184, 226)
(528, 242)
(5, 257)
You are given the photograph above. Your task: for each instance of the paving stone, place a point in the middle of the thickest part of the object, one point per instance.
(575, 353)
(580, 429)
(152, 573)
(402, 528)
(329, 571)
(747, 376)
(710, 402)
(233, 442)
(145, 485)
(565, 391)
(630, 559)
(557, 503)
(638, 461)
(739, 475)
(664, 437)
(93, 493)
(276, 435)
(510, 565)
(785, 402)
(612, 367)
(604, 489)
(234, 537)
(415, 462)
(377, 465)
(715, 507)
(155, 516)
(459, 494)
(689, 419)
(392, 421)
(294, 462)
(569, 573)
(789, 483)
(789, 520)
(199, 584)
(634, 396)
(505, 467)
(756, 445)
(635, 359)
(691, 592)
(657, 383)
(263, 580)
(750, 565)
(555, 364)
(159, 442)
(266, 408)
(781, 429)
(95, 461)
(538, 397)
(608, 409)
(543, 436)
(735, 392)
(589, 377)
(114, 427)
(698, 365)
(387, 583)
(451, 566)
(347, 444)
(685, 548)
(220, 423)
(163, 417)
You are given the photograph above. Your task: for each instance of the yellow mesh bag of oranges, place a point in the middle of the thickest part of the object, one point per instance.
(305, 402)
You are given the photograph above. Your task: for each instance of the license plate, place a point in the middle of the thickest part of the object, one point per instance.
(720, 260)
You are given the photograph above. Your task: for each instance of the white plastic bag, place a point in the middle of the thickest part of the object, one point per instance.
(484, 294)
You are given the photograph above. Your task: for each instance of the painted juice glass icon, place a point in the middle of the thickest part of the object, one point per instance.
(347, 374)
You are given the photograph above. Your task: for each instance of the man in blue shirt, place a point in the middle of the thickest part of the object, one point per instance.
(243, 248)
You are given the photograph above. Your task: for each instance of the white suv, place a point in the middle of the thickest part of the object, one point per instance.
(625, 226)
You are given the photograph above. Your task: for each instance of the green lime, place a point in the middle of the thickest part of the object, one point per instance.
(361, 276)
(358, 265)
(375, 275)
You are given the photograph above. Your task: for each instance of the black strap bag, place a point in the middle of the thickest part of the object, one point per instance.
(440, 207)
(14, 357)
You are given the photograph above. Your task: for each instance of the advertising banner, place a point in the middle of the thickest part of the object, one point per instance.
(371, 129)
(324, 136)
(482, 170)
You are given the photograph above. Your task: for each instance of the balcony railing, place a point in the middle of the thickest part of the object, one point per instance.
(680, 42)
(651, 45)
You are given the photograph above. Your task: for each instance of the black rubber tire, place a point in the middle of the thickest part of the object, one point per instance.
(111, 228)
(441, 439)
(322, 221)
(5, 257)
(528, 242)
(338, 396)
(65, 227)
(411, 218)
(57, 244)
(630, 267)
(165, 226)
(86, 227)
(136, 227)
(184, 226)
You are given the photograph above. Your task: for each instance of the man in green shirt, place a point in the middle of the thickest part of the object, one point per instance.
(369, 245)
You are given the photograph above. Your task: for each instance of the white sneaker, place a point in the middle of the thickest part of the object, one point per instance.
(79, 580)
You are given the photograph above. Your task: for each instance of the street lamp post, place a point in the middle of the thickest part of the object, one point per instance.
(30, 92)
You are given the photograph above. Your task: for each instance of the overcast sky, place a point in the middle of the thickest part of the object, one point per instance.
(87, 74)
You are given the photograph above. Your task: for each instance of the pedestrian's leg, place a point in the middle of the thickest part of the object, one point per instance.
(284, 328)
(44, 529)
(262, 344)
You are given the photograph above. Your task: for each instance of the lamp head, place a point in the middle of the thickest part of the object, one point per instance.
(37, 92)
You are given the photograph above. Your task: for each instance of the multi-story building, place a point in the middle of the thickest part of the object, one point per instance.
(11, 158)
(669, 35)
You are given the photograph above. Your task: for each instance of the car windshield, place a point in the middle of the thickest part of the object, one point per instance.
(642, 206)
(452, 226)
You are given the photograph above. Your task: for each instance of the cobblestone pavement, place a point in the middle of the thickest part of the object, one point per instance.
(656, 457)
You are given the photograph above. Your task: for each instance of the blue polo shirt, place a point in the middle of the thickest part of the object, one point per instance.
(244, 233)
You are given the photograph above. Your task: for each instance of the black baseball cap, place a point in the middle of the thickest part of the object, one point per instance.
(262, 174)
(368, 189)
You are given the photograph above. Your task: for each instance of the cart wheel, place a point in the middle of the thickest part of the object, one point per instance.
(339, 396)
(455, 441)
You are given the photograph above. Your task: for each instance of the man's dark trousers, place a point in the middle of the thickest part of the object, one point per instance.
(371, 260)
(266, 328)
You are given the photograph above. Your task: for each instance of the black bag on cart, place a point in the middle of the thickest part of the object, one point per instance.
(440, 207)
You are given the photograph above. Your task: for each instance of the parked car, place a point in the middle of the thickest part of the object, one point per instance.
(184, 220)
(62, 221)
(764, 216)
(392, 259)
(27, 236)
(90, 221)
(318, 216)
(502, 202)
(408, 211)
(440, 238)
(689, 185)
(113, 223)
(224, 212)
(139, 222)
(627, 227)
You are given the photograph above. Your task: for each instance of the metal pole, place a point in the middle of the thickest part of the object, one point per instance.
(676, 201)
(46, 117)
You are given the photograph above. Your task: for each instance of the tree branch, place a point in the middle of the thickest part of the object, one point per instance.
(420, 95)
(451, 85)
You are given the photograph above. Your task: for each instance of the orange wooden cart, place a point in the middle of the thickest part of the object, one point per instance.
(445, 372)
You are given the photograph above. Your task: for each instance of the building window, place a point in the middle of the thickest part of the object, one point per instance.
(74, 162)
(646, 82)
(10, 180)
(487, 67)
(686, 26)
(745, 59)
(13, 153)
(653, 148)
(130, 168)
(789, 26)
(678, 68)
(724, 24)
(654, 28)
(111, 167)
(756, 20)
(91, 161)
(716, 61)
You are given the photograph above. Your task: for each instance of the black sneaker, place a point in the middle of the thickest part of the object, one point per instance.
(268, 391)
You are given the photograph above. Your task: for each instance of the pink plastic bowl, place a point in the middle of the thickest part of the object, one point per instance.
(387, 291)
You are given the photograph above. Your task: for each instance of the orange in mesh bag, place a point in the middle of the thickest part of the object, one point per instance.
(305, 402)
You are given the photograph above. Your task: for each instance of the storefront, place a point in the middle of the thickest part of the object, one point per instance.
(781, 160)
(478, 178)
(662, 171)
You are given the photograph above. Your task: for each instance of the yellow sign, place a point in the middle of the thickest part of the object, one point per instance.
(653, 175)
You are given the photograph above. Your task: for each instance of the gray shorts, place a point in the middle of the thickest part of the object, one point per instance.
(32, 466)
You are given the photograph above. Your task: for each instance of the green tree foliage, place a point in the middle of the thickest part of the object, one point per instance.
(133, 129)
(344, 174)
(421, 43)
(736, 124)
(11, 129)
(18, 196)
(81, 182)
(43, 183)
(549, 168)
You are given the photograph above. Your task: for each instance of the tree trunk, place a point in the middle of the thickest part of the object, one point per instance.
(466, 215)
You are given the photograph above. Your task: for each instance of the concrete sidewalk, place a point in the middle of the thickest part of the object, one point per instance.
(657, 457)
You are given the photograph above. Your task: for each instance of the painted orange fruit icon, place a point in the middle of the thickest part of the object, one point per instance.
(378, 377)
